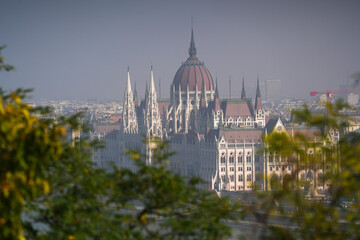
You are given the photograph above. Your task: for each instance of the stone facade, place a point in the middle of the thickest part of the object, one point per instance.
(219, 140)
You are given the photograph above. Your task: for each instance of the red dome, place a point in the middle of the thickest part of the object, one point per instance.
(193, 73)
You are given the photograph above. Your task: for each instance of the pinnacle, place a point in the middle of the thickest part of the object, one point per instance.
(152, 84)
(243, 93)
(128, 83)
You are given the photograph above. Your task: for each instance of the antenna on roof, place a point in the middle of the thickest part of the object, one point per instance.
(230, 86)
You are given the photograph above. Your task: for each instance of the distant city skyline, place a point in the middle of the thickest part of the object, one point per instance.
(81, 49)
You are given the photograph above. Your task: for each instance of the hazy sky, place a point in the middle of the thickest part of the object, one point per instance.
(81, 49)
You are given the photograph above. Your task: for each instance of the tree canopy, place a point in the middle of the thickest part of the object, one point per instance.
(50, 189)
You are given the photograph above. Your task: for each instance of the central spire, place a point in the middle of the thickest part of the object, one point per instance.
(192, 49)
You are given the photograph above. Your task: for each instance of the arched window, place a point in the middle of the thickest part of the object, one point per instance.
(223, 158)
(248, 177)
(240, 158)
(248, 157)
(271, 157)
(277, 157)
(232, 178)
(231, 158)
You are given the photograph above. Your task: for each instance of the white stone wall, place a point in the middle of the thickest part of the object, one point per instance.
(240, 166)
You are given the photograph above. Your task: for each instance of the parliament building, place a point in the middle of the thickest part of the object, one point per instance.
(219, 140)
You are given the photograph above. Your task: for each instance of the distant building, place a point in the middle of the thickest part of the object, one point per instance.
(273, 89)
(353, 99)
(323, 98)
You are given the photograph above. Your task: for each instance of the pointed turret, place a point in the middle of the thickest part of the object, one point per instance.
(129, 121)
(203, 95)
(257, 87)
(136, 98)
(152, 83)
(243, 93)
(128, 84)
(258, 97)
(217, 100)
(152, 116)
(216, 89)
(146, 91)
(192, 49)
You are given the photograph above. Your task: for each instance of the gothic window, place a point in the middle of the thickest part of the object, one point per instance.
(232, 178)
(240, 178)
(277, 157)
(239, 168)
(248, 177)
(248, 158)
(223, 178)
(223, 158)
(232, 169)
(248, 169)
(231, 158)
(240, 158)
(223, 169)
(271, 157)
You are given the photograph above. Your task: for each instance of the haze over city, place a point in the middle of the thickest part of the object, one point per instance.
(81, 49)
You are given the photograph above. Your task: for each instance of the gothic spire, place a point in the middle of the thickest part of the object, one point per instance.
(152, 84)
(136, 98)
(258, 97)
(257, 87)
(243, 93)
(203, 95)
(217, 100)
(146, 91)
(152, 116)
(129, 120)
(192, 49)
(216, 89)
(128, 84)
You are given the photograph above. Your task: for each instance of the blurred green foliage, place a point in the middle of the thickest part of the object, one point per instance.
(332, 214)
(51, 190)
